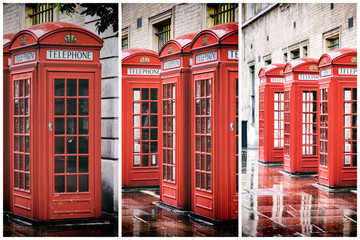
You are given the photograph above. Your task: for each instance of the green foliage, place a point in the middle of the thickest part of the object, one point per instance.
(67, 8)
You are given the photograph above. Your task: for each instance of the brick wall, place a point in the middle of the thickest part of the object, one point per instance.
(11, 17)
(312, 21)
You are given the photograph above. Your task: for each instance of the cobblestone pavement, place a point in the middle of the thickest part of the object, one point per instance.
(274, 204)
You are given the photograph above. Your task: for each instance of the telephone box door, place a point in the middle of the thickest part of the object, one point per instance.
(71, 144)
(234, 143)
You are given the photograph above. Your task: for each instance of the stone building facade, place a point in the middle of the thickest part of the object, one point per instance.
(141, 21)
(16, 18)
(277, 33)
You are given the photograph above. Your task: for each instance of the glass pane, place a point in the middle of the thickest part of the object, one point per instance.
(21, 107)
(153, 134)
(203, 144)
(197, 125)
(347, 134)
(59, 164)
(203, 125)
(208, 182)
(347, 94)
(136, 94)
(83, 106)
(154, 160)
(136, 147)
(197, 89)
(83, 87)
(136, 134)
(71, 183)
(136, 121)
(173, 174)
(59, 126)
(145, 160)
(16, 161)
(154, 147)
(22, 165)
(164, 172)
(21, 88)
(71, 87)
(71, 126)
(59, 87)
(153, 120)
(83, 164)
(136, 109)
(153, 107)
(21, 180)
(59, 106)
(59, 184)
(16, 143)
(21, 125)
(208, 106)
(202, 180)
(197, 180)
(71, 145)
(27, 163)
(71, 106)
(202, 88)
(203, 107)
(354, 107)
(197, 102)
(208, 163)
(164, 155)
(16, 125)
(83, 183)
(208, 87)
(145, 121)
(136, 160)
(59, 145)
(198, 143)
(203, 160)
(153, 94)
(27, 106)
(83, 126)
(347, 107)
(144, 107)
(16, 106)
(71, 164)
(16, 180)
(145, 134)
(145, 147)
(16, 88)
(27, 182)
(354, 94)
(197, 161)
(208, 144)
(83, 144)
(27, 144)
(145, 94)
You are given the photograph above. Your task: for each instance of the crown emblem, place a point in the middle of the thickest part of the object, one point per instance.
(23, 41)
(324, 62)
(204, 41)
(70, 38)
(170, 49)
(282, 72)
(313, 67)
(354, 59)
(144, 59)
(288, 68)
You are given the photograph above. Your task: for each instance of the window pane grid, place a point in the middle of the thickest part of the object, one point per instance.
(287, 123)
(324, 127)
(203, 164)
(22, 134)
(42, 14)
(145, 127)
(169, 127)
(71, 135)
(309, 125)
(279, 120)
(350, 127)
(224, 13)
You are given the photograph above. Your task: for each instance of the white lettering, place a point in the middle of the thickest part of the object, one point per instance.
(263, 80)
(69, 55)
(325, 72)
(289, 78)
(191, 61)
(204, 57)
(308, 77)
(171, 63)
(23, 57)
(143, 71)
(276, 79)
(347, 71)
(233, 54)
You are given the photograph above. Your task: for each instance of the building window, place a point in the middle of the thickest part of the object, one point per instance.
(163, 33)
(285, 57)
(223, 13)
(305, 49)
(295, 54)
(333, 43)
(252, 71)
(42, 13)
(124, 42)
(267, 62)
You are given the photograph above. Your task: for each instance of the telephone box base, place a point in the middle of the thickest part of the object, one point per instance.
(299, 174)
(270, 164)
(170, 208)
(342, 189)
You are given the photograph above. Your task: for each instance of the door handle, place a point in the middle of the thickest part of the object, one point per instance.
(231, 127)
(50, 127)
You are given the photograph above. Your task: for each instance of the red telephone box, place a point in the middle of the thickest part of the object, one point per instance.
(175, 155)
(214, 122)
(140, 117)
(271, 114)
(338, 118)
(6, 125)
(301, 116)
(55, 136)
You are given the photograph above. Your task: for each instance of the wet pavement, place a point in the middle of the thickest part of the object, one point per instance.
(106, 226)
(141, 218)
(274, 204)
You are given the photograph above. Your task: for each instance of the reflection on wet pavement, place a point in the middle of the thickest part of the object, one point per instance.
(141, 218)
(274, 204)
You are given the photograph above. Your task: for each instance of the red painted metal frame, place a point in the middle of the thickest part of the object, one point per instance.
(333, 172)
(271, 82)
(140, 59)
(219, 200)
(295, 161)
(177, 192)
(39, 202)
(6, 124)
